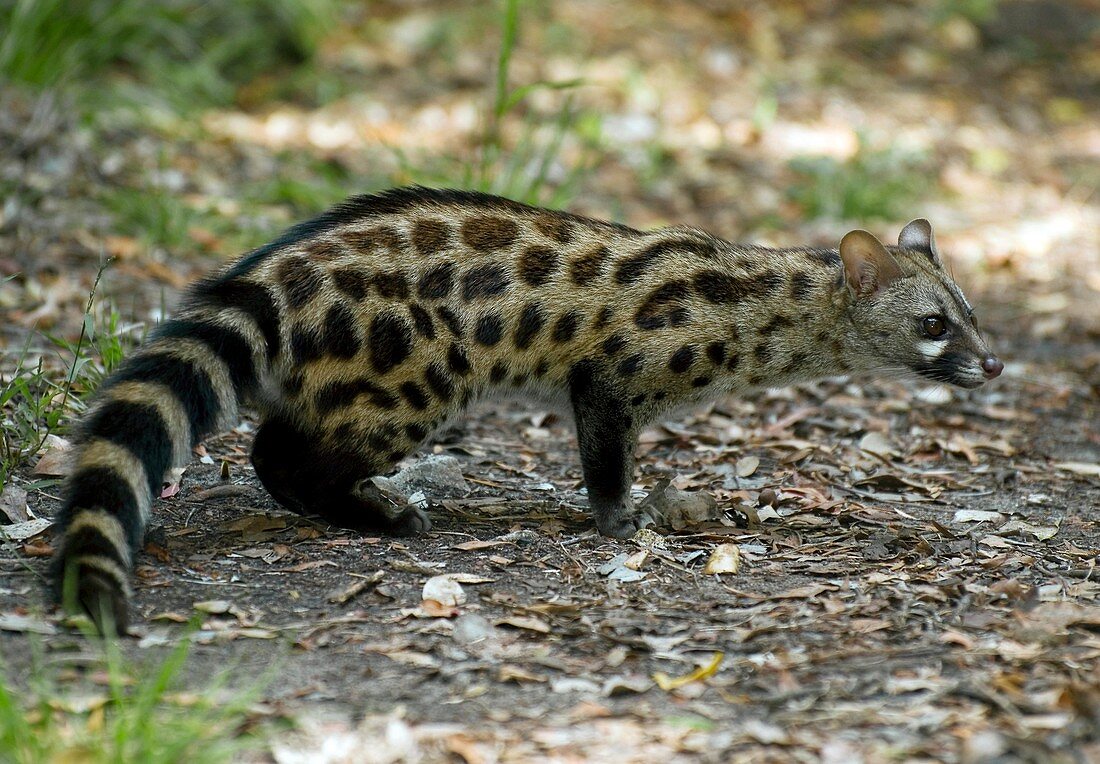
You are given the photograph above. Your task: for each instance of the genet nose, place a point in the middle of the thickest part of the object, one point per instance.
(992, 367)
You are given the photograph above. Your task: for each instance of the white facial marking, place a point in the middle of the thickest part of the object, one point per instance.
(930, 349)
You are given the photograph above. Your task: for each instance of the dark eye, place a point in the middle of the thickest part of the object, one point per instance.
(934, 326)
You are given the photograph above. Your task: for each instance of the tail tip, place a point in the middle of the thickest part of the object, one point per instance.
(87, 590)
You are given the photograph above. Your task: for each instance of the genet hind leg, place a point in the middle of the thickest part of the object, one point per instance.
(331, 477)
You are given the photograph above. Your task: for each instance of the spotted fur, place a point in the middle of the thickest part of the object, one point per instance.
(356, 334)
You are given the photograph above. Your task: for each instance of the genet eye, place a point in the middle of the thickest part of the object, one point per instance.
(934, 326)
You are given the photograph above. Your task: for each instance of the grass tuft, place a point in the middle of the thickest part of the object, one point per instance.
(138, 716)
(36, 400)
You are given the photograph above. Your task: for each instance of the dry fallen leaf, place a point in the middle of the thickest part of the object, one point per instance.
(747, 465)
(666, 683)
(978, 516)
(529, 623)
(1079, 468)
(24, 531)
(13, 505)
(213, 607)
(57, 461)
(878, 444)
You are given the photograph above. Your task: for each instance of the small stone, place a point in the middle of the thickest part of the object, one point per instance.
(437, 475)
(444, 590)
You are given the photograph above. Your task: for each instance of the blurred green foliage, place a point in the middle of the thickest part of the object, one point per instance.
(874, 183)
(187, 52)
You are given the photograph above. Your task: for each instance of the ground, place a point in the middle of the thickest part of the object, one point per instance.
(914, 566)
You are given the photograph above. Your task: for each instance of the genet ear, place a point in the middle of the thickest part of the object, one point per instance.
(868, 267)
(918, 235)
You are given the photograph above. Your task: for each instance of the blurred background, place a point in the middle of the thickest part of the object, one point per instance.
(171, 135)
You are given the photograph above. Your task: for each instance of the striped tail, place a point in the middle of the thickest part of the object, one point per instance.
(180, 386)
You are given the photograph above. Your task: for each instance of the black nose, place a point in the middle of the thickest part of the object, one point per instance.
(992, 367)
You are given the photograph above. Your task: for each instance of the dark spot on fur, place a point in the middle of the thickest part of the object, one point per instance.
(553, 227)
(457, 360)
(722, 288)
(716, 352)
(755, 379)
(682, 359)
(731, 364)
(603, 318)
(631, 365)
(416, 432)
(589, 266)
(801, 284)
(638, 399)
(700, 382)
(450, 320)
(336, 395)
(498, 373)
(430, 236)
(322, 250)
(775, 323)
(484, 281)
(520, 379)
(541, 369)
(659, 395)
(423, 321)
(632, 268)
(654, 311)
(300, 280)
(437, 282)
(415, 395)
(824, 256)
(537, 265)
(679, 317)
(305, 345)
(392, 285)
(341, 335)
(489, 329)
(439, 381)
(488, 233)
(762, 352)
(350, 281)
(614, 344)
(390, 341)
(566, 327)
(531, 321)
(797, 362)
(382, 237)
(294, 383)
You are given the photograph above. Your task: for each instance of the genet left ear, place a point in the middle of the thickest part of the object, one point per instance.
(868, 267)
(917, 235)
